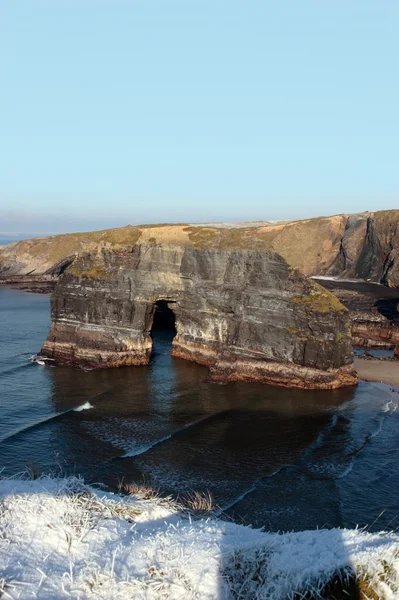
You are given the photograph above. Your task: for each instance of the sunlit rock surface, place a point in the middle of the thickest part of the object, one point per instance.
(246, 314)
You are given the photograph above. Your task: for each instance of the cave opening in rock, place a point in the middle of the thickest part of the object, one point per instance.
(163, 328)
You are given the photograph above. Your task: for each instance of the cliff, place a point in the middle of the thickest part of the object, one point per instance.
(246, 314)
(364, 246)
(374, 312)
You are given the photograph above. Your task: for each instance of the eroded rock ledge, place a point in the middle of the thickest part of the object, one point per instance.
(243, 313)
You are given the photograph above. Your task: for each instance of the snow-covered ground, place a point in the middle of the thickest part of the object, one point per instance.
(62, 539)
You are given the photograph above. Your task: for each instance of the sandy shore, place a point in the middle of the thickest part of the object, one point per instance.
(378, 370)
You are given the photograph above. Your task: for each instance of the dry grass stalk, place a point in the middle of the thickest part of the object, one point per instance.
(199, 502)
(193, 502)
(141, 491)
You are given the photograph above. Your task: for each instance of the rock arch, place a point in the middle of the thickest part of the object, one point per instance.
(163, 319)
(246, 314)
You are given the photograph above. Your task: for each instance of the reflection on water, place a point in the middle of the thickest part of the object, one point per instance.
(284, 459)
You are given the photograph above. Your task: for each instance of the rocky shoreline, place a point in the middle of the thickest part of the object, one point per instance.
(103, 303)
(40, 284)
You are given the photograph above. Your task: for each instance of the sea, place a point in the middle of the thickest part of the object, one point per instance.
(282, 459)
(10, 238)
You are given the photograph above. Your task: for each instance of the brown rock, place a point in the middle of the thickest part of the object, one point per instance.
(244, 313)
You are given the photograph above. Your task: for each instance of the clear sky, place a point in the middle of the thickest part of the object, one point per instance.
(140, 111)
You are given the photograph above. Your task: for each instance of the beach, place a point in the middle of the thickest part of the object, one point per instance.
(378, 370)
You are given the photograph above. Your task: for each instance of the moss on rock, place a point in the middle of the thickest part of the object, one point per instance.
(95, 272)
(320, 302)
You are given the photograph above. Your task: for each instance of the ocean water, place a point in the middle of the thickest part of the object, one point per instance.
(272, 457)
(9, 239)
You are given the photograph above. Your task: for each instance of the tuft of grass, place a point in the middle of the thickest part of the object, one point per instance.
(33, 471)
(199, 502)
(195, 503)
(348, 585)
(141, 491)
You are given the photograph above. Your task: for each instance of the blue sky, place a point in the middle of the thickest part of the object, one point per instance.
(116, 112)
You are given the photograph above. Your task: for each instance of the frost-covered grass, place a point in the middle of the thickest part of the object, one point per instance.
(196, 503)
(61, 539)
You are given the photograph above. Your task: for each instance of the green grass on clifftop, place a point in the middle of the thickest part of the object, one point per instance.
(318, 299)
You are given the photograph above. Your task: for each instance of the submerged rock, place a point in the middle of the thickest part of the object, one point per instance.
(246, 314)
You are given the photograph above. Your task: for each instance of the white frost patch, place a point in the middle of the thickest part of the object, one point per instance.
(62, 539)
(85, 406)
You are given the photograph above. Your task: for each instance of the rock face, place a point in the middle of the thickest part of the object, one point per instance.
(243, 313)
(373, 310)
(373, 333)
(364, 246)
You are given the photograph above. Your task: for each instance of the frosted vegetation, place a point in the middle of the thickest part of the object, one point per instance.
(60, 538)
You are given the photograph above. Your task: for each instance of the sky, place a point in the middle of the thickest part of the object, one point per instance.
(143, 111)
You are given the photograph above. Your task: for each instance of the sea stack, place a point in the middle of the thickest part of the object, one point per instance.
(244, 313)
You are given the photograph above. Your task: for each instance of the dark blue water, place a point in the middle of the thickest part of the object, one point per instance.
(285, 459)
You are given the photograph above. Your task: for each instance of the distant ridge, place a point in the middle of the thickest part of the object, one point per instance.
(361, 246)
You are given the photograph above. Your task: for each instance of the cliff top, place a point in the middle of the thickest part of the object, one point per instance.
(311, 245)
(167, 550)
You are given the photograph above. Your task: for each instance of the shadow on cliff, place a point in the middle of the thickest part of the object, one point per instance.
(388, 308)
(164, 324)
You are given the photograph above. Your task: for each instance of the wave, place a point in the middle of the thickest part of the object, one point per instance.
(16, 368)
(219, 511)
(146, 447)
(85, 406)
(326, 467)
(34, 359)
(34, 425)
(387, 409)
(41, 422)
(346, 471)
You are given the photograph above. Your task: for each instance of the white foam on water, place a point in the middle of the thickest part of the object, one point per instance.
(134, 436)
(236, 500)
(330, 470)
(388, 408)
(345, 471)
(85, 406)
(34, 424)
(137, 436)
(378, 430)
(144, 448)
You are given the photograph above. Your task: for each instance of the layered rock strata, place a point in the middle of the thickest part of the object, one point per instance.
(245, 314)
(362, 246)
(373, 311)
